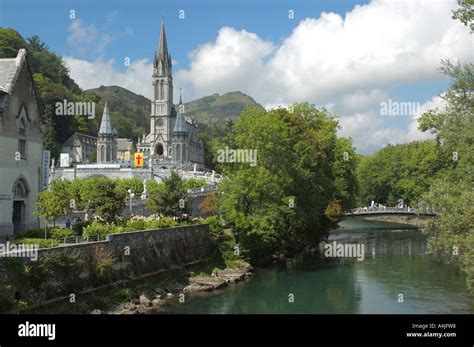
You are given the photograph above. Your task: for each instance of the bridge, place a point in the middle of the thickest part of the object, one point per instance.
(383, 210)
(115, 171)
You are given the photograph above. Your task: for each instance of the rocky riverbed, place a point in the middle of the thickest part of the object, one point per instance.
(154, 300)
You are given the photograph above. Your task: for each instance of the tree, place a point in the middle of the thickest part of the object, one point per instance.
(465, 13)
(103, 198)
(451, 235)
(54, 202)
(345, 166)
(172, 200)
(209, 204)
(403, 171)
(279, 204)
(135, 184)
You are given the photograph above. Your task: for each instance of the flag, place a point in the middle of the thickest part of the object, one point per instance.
(138, 160)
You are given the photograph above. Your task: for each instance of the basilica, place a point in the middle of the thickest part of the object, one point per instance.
(172, 140)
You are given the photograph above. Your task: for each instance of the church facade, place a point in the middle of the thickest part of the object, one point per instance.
(172, 141)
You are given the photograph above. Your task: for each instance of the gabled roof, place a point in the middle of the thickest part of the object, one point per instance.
(10, 69)
(82, 139)
(124, 144)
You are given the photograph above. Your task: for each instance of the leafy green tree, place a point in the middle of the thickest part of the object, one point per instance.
(10, 42)
(465, 13)
(451, 235)
(172, 200)
(403, 171)
(345, 167)
(104, 199)
(54, 202)
(279, 204)
(135, 184)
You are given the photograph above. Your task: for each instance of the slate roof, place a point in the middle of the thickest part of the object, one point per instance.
(10, 69)
(124, 144)
(105, 124)
(81, 139)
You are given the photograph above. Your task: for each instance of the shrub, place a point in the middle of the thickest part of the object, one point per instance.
(98, 228)
(7, 298)
(29, 233)
(162, 222)
(134, 224)
(42, 243)
(59, 233)
(79, 226)
(120, 295)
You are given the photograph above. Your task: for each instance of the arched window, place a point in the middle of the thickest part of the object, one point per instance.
(20, 190)
(159, 149)
(22, 124)
(178, 152)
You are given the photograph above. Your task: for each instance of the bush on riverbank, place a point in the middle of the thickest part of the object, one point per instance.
(41, 242)
(136, 223)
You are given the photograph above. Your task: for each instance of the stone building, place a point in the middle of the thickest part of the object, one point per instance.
(81, 148)
(125, 149)
(21, 146)
(172, 140)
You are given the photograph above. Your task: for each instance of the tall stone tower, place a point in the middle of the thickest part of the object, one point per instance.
(162, 111)
(107, 140)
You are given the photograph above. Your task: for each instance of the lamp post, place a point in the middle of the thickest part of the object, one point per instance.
(131, 196)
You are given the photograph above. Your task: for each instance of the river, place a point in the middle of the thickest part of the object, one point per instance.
(395, 263)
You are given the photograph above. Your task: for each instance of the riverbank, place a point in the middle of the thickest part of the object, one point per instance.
(155, 297)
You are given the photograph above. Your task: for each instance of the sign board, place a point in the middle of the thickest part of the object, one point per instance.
(64, 160)
(45, 168)
(138, 160)
(5, 198)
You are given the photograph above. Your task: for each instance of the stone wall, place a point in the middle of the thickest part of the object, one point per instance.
(123, 257)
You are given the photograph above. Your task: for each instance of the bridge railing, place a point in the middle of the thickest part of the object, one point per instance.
(387, 209)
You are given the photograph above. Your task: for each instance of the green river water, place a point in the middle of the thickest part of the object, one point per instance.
(395, 263)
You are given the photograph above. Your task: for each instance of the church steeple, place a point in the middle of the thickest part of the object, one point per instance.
(162, 61)
(105, 124)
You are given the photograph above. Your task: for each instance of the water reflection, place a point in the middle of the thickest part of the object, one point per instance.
(395, 262)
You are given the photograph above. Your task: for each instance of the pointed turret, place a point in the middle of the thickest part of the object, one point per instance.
(180, 125)
(105, 125)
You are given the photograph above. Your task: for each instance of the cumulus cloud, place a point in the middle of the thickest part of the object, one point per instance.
(87, 39)
(136, 77)
(348, 63)
(369, 133)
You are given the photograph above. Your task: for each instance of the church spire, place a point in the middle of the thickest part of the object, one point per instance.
(162, 56)
(105, 124)
(180, 100)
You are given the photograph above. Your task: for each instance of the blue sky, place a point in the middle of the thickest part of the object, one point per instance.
(349, 56)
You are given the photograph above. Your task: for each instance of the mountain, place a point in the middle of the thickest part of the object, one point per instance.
(217, 109)
(130, 112)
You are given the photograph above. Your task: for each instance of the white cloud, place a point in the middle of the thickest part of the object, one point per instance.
(87, 39)
(369, 133)
(136, 77)
(347, 63)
